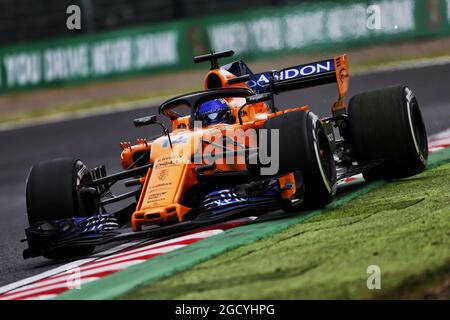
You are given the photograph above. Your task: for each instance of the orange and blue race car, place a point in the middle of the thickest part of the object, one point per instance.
(230, 151)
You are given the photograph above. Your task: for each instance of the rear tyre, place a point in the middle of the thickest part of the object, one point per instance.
(387, 124)
(304, 146)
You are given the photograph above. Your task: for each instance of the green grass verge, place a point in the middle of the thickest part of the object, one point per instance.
(403, 227)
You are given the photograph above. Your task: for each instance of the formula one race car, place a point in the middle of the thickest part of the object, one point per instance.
(230, 151)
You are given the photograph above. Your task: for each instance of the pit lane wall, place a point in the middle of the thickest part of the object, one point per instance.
(257, 33)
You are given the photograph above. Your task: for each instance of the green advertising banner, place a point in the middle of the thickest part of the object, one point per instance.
(98, 56)
(309, 27)
(316, 27)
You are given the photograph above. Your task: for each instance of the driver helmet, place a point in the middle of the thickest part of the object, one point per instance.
(213, 112)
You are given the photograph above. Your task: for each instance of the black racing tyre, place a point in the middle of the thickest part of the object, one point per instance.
(387, 125)
(304, 146)
(52, 190)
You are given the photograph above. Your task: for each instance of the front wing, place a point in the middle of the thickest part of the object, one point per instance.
(218, 206)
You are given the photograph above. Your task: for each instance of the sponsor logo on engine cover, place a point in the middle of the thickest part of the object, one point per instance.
(261, 80)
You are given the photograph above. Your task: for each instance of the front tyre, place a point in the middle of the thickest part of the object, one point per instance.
(53, 191)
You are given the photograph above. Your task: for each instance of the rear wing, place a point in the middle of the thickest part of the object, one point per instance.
(333, 70)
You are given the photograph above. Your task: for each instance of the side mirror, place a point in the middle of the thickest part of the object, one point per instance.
(144, 121)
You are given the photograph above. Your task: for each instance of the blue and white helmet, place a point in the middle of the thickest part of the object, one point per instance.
(214, 111)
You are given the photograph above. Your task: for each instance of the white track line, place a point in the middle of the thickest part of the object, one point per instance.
(46, 283)
(440, 139)
(82, 114)
(97, 266)
(199, 235)
(64, 268)
(109, 260)
(64, 285)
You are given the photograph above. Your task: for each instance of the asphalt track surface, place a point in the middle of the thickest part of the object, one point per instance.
(95, 140)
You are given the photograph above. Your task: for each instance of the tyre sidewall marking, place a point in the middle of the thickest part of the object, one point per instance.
(409, 97)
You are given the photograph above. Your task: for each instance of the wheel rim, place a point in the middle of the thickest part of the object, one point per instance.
(325, 160)
(84, 206)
